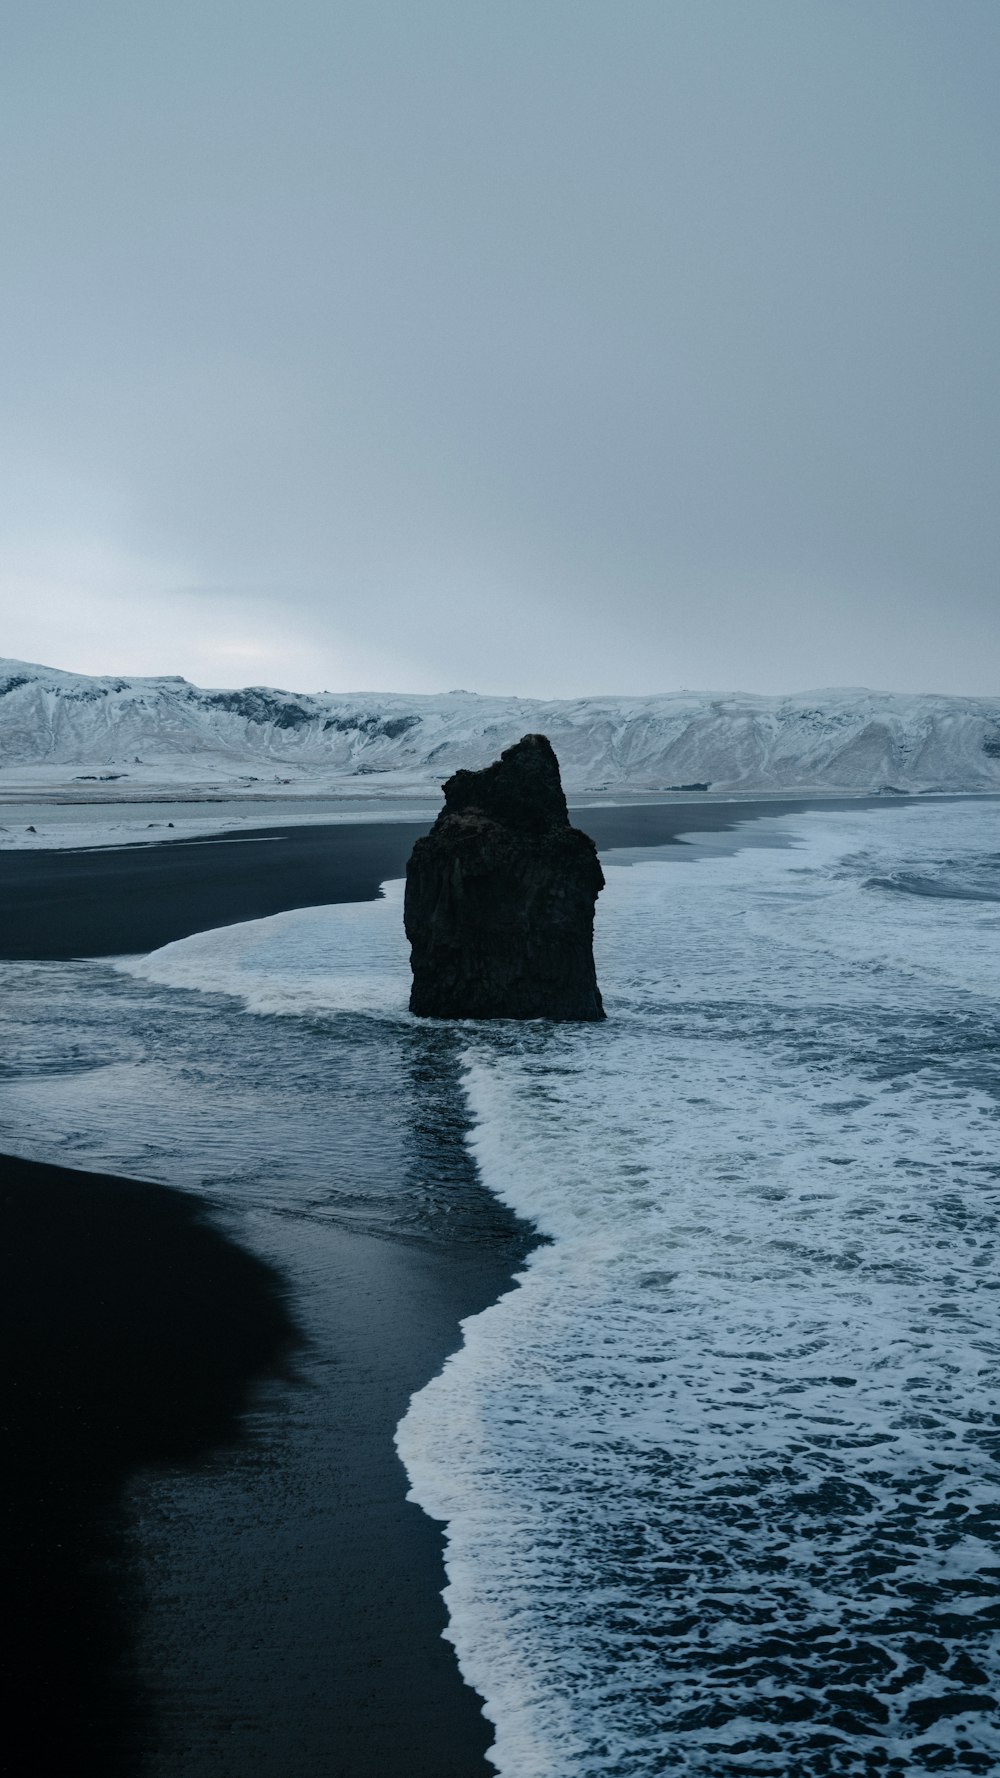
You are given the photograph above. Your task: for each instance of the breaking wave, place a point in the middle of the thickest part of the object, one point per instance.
(720, 1474)
(948, 879)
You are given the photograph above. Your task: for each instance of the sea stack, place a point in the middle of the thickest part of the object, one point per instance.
(500, 898)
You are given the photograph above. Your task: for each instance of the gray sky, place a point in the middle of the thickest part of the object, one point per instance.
(546, 346)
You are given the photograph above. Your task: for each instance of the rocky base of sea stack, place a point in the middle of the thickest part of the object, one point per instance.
(500, 898)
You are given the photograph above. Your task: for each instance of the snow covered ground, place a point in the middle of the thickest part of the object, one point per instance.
(125, 743)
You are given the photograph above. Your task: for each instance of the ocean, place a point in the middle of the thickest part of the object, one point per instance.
(718, 1475)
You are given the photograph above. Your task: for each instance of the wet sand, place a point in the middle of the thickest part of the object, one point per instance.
(133, 1334)
(209, 1559)
(116, 901)
(297, 1614)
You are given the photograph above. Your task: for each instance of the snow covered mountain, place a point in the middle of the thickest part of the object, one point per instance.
(139, 732)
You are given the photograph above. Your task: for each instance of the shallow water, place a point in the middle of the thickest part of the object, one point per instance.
(290, 1613)
(348, 1113)
(720, 1475)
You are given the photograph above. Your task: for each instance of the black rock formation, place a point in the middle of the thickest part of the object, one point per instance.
(500, 898)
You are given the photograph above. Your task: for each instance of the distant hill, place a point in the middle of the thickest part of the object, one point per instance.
(165, 729)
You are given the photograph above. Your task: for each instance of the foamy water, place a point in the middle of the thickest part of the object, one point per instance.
(719, 1476)
(352, 957)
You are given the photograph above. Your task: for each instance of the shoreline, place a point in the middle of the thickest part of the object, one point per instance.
(51, 822)
(293, 1615)
(305, 1535)
(109, 1367)
(97, 902)
(284, 1599)
(212, 1561)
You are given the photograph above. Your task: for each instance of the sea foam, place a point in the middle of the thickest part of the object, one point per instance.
(351, 957)
(719, 1474)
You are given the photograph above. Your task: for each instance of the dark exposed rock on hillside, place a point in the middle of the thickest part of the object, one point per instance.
(500, 898)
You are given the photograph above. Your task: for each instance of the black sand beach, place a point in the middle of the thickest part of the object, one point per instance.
(127, 899)
(279, 1611)
(133, 1332)
(105, 902)
(297, 1618)
(210, 1592)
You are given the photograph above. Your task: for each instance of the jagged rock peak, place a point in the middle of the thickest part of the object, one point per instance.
(522, 789)
(500, 896)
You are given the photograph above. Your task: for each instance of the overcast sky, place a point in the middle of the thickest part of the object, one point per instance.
(545, 346)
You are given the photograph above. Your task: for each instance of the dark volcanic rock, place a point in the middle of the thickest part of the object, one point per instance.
(500, 898)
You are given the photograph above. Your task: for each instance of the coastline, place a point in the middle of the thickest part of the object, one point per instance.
(297, 1619)
(103, 902)
(211, 1559)
(293, 1611)
(275, 1603)
(134, 1335)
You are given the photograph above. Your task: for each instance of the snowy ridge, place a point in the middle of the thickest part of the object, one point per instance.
(146, 730)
